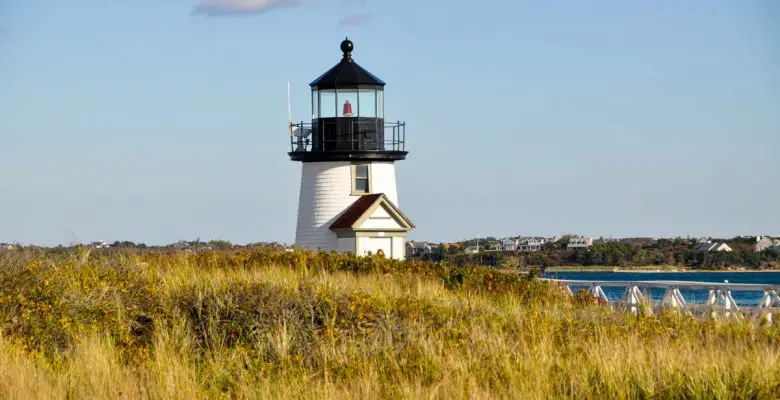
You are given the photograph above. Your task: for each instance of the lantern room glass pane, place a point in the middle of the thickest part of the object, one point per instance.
(367, 98)
(347, 103)
(315, 104)
(327, 104)
(380, 103)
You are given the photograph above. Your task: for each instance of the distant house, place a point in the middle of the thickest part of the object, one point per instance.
(450, 246)
(508, 244)
(526, 244)
(532, 244)
(580, 242)
(636, 241)
(709, 247)
(100, 245)
(422, 250)
(766, 243)
(472, 250)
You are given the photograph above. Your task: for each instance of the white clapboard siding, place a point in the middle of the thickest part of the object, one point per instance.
(399, 248)
(326, 191)
(383, 179)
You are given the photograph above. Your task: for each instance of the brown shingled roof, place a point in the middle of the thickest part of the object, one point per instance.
(355, 211)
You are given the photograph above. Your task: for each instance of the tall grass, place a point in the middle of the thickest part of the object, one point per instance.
(267, 324)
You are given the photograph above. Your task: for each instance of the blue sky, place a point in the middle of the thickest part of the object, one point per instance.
(157, 121)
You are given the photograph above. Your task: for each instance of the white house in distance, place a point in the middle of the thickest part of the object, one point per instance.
(532, 244)
(767, 243)
(524, 244)
(580, 242)
(348, 199)
(472, 250)
(509, 244)
(419, 249)
(708, 247)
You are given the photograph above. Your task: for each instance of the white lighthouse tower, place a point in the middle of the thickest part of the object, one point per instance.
(348, 198)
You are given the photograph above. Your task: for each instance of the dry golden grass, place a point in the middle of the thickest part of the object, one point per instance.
(277, 325)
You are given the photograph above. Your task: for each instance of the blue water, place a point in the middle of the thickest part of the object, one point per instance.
(691, 296)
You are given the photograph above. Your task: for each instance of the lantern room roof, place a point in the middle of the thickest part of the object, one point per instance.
(346, 74)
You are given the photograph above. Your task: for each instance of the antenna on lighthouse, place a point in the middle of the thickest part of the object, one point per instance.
(301, 132)
(290, 126)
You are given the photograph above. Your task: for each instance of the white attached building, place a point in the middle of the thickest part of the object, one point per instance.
(370, 224)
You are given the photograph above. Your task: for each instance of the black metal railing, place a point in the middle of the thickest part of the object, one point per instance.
(347, 134)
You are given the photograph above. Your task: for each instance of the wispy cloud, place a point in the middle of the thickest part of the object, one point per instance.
(219, 8)
(216, 8)
(355, 20)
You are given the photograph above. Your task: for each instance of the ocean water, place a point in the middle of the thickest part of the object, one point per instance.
(691, 296)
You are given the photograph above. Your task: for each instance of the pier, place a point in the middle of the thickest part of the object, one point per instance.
(719, 300)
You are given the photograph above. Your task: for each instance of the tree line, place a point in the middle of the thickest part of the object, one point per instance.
(672, 252)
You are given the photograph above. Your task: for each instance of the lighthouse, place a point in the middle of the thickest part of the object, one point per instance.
(348, 199)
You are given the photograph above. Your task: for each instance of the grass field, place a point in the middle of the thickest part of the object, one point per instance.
(270, 324)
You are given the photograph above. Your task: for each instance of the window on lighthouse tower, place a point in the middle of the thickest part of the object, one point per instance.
(360, 182)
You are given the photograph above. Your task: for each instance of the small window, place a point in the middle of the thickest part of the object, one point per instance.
(361, 179)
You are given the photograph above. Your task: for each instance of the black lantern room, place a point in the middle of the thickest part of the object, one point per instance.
(348, 121)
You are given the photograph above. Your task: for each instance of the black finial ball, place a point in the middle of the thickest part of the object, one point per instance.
(347, 46)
